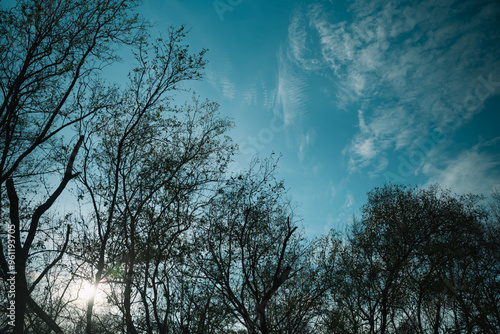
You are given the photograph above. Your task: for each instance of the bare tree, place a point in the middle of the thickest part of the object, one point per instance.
(145, 158)
(249, 245)
(50, 52)
(412, 262)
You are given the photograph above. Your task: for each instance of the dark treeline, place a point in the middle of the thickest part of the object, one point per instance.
(115, 189)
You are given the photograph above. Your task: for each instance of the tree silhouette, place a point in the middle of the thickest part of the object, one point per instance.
(412, 263)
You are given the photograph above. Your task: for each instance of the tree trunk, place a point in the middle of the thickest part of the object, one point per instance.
(21, 296)
(129, 277)
(127, 296)
(90, 303)
(438, 318)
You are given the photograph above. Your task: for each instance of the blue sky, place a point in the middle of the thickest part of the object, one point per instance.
(353, 94)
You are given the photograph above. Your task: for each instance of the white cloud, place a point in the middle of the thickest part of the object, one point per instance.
(362, 123)
(228, 87)
(305, 140)
(380, 166)
(375, 137)
(472, 171)
(413, 67)
(250, 95)
(299, 43)
(290, 97)
(221, 79)
(349, 202)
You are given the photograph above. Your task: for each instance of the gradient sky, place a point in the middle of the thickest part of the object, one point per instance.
(353, 94)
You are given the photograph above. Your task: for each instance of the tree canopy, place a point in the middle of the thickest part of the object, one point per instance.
(164, 237)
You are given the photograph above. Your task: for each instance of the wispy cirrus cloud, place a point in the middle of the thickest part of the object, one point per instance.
(258, 93)
(250, 94)
(290, 96)
(301, 44)
(221, 78)
(409, 66)
(473, 171)
(305, 141)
